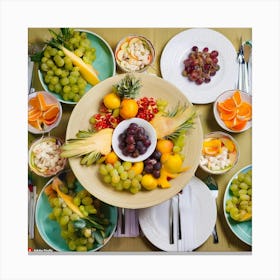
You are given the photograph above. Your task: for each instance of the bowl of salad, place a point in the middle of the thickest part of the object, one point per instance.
(220, 153)
(134, 53)
(44, 156)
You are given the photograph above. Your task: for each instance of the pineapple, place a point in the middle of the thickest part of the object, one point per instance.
(171, 124)
(89, 146)
(128, 87)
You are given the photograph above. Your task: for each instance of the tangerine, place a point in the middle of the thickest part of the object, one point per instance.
(111, 158)
(128, 108)
(164, 146)
(236, 97)
(112, 101)
(51, 112)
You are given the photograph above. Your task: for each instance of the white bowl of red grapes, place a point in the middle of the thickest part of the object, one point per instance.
(134, 140)
(201, 65)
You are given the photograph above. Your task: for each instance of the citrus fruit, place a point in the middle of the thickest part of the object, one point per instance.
(212, 146)
(111, 158)
(236, 97)
(226, 116)
(164, 146)
(51, 113)
(112, 101)
(128, 108)
(244, 112)
(138, 167)
(173, 163)
(149, 182)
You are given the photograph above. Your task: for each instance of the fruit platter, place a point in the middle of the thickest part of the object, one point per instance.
(115, 151)
(114, 181)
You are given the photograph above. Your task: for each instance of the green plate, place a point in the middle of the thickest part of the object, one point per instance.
(242, 230)
(104, 63)
(50, 230)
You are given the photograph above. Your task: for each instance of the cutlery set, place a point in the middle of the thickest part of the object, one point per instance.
(243, 56)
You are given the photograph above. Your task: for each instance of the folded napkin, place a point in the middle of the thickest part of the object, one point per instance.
(131, 223)
(187, 243)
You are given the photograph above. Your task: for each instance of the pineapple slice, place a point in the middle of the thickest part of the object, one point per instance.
(170, 125)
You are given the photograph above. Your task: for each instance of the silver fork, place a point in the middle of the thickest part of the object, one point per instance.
(241, 62)
(213, 187)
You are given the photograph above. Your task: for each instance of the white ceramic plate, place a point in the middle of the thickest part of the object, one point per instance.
(199, 218)
(177, 50)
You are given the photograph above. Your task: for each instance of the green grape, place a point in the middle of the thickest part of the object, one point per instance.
(81, 92)
(241, 177)
(65, 234)
(57, 202)
(58, 72)
(127, 184)
(234, 200)
(81, 248)
(57, 211)
(244, 197)
(249, 209)
(76, 98)
(126, 165)
(66, 89)
(44, 67)
(120, 169)
(54, 80)
(242, 191)
(71, 94)
(124, 175)
(139, 177)
(58, 88)
(72, 79)
(103, 170)
(87, 200)
(249, 192)
(50, 63)
(79, 52)
(135, 183)
(235, 181)
(77, 200)
(64, 73)
(86, 60)
(109, 167)
(64, 81)
(71, 227)
(131, 174)
(68, 66)
(74, 216)
(115, 179)
(118, 186)
(47, 54)
(243, 185)
(74, 88)
(50, 73)
(176, 149)
(234, 187)
(83, 193)
(243, 204)
(86, 232)
(51, 216)
(72, 245)
(117, 164)
(47, 79)
(133, 190)
(53, 51)
(44, 59)
(59, 61)
(248, 180)
(64, 220)
(66, 211)
(114, 172)
(107, 179)
(90, 209)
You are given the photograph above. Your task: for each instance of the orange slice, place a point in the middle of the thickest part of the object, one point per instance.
(221, 108)
(51, 121)
(236, 97)
(51, 113)
(36, 124)
(34, 114)
(229, 104)
(244, 112)
(239, 125)
(212, 146)
(228, 116)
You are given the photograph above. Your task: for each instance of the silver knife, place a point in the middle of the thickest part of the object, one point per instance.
(241, 62)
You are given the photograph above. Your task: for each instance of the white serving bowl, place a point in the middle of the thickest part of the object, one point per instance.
(45, 150)
(222, 97)
(119, 49)
(50, 99)
(233, 156)
(122, 126)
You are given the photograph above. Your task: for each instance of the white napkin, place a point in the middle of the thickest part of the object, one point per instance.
(131, 223)
(187, 221)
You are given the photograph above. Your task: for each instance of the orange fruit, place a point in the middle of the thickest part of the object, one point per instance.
(112, 101)
(111, 158)
(36, 124)
(173, 163)
(236, 97)
(226, 116)
(128, 108)
(164, 146)
(221, 107)
(34, 114)
(149, 182)
(228, 104)
(244, 112)
(238, 124)
(51, 121)
(212, 146)
(51, 112)
(42, 102)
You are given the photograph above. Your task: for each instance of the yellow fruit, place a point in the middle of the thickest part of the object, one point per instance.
(164, 146)
(173, 163)
(129, 108)
(149, 182)
(138, 167)
(112, 101)
(111, 158)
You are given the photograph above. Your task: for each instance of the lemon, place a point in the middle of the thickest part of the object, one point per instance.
(149, 182)
(112, 101)
(173, 163)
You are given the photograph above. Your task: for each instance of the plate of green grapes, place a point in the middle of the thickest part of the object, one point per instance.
(238, 204)
(70, 219)
(72, 62)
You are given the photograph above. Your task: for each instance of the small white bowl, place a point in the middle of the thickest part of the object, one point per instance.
(61, 162)
(127, 39)
(234, 156)
(49, 100)
(122, 126)
(225, 95)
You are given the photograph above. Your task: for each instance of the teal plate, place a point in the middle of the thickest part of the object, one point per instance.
(50, 230)
(242, 230)
(104, 63)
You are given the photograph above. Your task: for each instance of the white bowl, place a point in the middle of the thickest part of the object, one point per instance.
(34, 167)
(147, 43)
(122, 126)
(49, 100)
(233, 156)
(222, 97)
